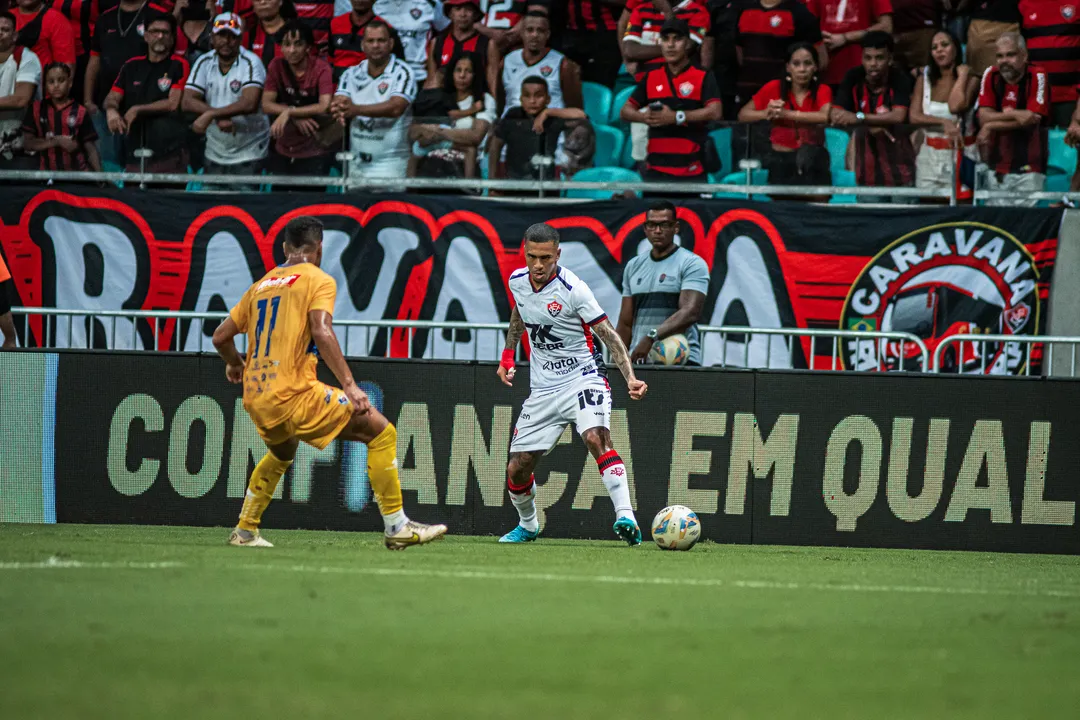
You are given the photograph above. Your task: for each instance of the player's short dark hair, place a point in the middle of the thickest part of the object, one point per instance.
(303, 232)
(663, 206)
(542, 233)
(301, 30)
(878, 40)
(5, 15)
(537, 13)
(535, 80)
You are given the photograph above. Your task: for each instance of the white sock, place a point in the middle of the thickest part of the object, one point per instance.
(394, 522)
(525, 502)
(613, 473)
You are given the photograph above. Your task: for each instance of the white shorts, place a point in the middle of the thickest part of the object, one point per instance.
(585, 402)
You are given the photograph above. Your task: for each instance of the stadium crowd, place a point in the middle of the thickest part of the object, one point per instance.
(526, 89)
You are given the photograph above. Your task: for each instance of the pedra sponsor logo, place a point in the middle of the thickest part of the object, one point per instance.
(278, 282)
(953, 279)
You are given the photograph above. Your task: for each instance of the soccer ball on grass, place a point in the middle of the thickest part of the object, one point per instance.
(676, 527)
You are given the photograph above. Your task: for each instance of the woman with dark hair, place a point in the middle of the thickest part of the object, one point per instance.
(798, 107)
(944, 92)
(469, 111)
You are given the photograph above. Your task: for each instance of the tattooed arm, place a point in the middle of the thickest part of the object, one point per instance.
(621, 358)
(506, 369)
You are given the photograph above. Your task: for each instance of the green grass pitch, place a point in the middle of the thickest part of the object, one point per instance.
(151, 622)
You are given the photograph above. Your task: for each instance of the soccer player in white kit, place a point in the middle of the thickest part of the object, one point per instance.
(567, 377)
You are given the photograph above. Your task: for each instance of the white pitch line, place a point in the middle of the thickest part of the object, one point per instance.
(474, 574)
(55, 563)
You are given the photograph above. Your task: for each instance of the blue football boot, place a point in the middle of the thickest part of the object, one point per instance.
(628, 530)
(521, 535)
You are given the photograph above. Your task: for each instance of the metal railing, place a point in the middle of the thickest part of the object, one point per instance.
(976, 362)
(180, 331)
(876, 338)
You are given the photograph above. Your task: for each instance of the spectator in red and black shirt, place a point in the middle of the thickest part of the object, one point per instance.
(118, 37)
(641, 44)
(58, 128)
(144, 102)
(347, 36)
(45, 31)
(462, 37)
(591, 41)
(874, 99)
(766, 29)
(676, 101)
(1052, 31)
(1014, 108)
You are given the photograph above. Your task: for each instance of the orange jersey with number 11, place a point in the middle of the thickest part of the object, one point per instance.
(281, 356)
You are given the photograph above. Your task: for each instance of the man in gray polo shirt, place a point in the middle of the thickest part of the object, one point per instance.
(663, 290)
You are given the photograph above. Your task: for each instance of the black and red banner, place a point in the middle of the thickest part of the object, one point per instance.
(933, 272)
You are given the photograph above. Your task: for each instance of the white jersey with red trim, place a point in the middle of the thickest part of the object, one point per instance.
(558, 318)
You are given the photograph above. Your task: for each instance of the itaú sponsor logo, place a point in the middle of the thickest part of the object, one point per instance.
(941, 281)
(561, 366)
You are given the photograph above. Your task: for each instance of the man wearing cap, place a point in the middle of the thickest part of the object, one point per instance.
(415, 21)
(676, 101)
(462, 37)
(225, 91)
(375, 99)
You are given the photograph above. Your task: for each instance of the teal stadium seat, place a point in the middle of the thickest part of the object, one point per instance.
(836, 141)
(759, 177)
(1062, 156)
(602, 174)
(609, 145)
(722, 140)
(597, 102)
(843, 178)
(617, 105)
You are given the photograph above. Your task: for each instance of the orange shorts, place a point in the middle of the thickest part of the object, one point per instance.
(315, 417)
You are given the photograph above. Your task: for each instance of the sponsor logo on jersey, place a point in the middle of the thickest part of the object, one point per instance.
(960, 278)
(278, 282)
(554, 308)
(686, 88)
(164, 82)
(235, 86)
(541, 337)
(562, 366)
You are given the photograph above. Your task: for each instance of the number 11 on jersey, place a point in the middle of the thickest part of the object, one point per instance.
(261, 323)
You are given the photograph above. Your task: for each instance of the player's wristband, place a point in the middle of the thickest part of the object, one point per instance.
(507, 361)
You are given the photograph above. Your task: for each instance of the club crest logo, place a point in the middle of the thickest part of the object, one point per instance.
(962, 278)
(663, 277)
(234, 86)
(554, 308)
(164, 82)
(383, 87)
(686, 88)
(416, 13)
(1068, 12)
(775, 21)
(546, 70)
(141, 29)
